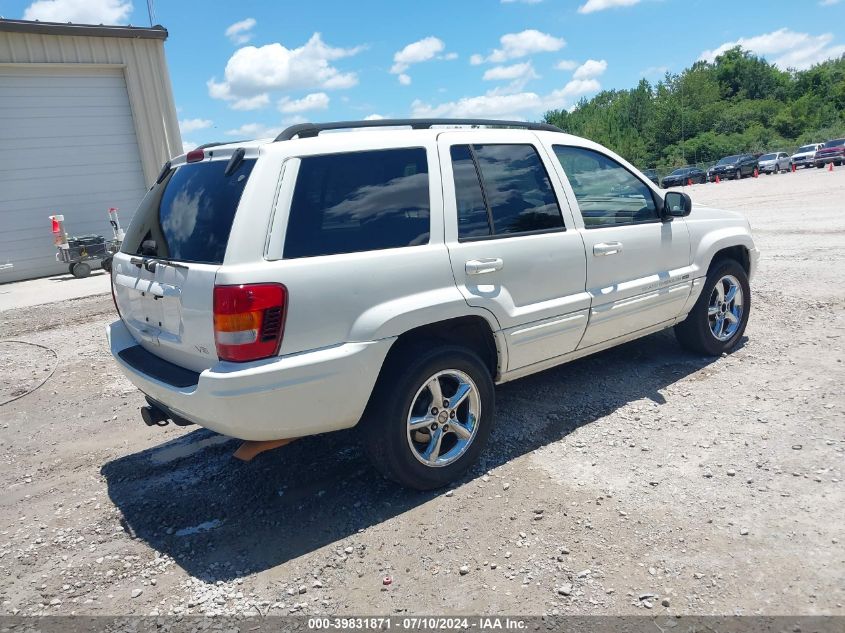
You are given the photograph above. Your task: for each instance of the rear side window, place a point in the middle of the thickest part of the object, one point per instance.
(502, 189)
(607, 193)
(359, 201)
(189, 214)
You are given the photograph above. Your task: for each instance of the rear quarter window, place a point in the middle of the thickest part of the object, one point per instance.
(359, 201)
(188, 215)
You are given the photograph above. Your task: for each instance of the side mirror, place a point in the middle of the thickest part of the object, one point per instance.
(676, 204)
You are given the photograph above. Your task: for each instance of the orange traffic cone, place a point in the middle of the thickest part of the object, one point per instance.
(717, 179)
(756, 173)
(793, 168)
(830, 166)
(689, 181)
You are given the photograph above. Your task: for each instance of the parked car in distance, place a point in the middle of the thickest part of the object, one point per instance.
(736, 167)
(651, 174)
(831, 152)
(274, 289)
(683, 175)
(774, 163)
(805, 155)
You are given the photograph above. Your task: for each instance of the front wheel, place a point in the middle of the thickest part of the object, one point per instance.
(717, 321)
(429, 416)
(738, 175)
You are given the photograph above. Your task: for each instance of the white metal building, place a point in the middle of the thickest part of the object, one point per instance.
(87, 119)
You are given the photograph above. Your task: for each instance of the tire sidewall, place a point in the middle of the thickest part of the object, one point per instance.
(388, 419)
(713, 345)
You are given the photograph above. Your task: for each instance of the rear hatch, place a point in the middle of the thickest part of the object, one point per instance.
(163, 277)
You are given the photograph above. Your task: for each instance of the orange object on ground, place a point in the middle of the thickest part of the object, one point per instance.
(248, 449)
(717, 179)
(689, 181)
(830, 166)
(756, 173)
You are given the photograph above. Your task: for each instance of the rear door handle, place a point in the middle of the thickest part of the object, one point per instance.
(482, 266)
(607, 248)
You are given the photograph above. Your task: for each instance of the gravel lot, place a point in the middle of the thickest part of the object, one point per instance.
(641, 478)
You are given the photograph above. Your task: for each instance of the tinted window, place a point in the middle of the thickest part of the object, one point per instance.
(607, 193)
(836, 143)
(189, 214)
(472, 211)
(359, 201)
(515, 191)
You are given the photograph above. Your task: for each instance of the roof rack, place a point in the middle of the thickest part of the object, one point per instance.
(308, 130)
(216, 143)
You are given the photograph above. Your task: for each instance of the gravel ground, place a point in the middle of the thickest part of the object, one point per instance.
(642, 478)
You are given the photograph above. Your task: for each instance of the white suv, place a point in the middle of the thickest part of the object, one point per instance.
(282, 288)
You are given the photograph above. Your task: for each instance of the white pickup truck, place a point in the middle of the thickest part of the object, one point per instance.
(274, 289)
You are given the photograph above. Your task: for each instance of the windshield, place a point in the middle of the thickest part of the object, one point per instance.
(768, 156)
(680, 172)
(806, 148)
(189, 214)
(727, 160)
(837, 143)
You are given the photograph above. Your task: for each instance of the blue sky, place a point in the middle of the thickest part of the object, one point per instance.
(246, 69)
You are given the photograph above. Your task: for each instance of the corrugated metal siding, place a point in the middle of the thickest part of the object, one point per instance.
(147, 81)
(112, 102)
(67, 145)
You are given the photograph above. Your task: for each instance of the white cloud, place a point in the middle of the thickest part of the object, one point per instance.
(373, 117)
(187, 146)
(313, 101)
(785, 48)
(600, 5)
(516, 106)
(652, 71)
(251, 103)
(566, 64)
(80, 11)
(590, 68)
(404, 79)
(515, 71)
(416, 52)
(241, 32)
(515, 45)
(254, 130)
(254, 71)
(190, 125)
(828, 3)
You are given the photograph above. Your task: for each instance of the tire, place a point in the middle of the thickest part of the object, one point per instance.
(696, 332)
(106, 264)
(819, 165)
(70, 268)
(402, 393)
(80, 270)
(738, 175)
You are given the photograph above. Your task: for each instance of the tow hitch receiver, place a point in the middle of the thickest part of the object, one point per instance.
(249, 449)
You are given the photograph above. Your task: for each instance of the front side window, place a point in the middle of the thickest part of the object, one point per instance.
(607, 193)
(502, 189)
(359, 201)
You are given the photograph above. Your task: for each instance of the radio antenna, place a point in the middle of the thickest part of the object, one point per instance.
(151, 11)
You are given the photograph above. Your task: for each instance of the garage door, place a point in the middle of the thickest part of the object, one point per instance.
(67, 145)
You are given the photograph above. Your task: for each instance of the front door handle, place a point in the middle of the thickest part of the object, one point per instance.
(607, 248)
(481, 266)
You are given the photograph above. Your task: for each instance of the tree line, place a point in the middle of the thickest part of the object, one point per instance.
(738, 103)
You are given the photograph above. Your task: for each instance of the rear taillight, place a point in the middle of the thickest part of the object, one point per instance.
(194, 156)
(249, 320)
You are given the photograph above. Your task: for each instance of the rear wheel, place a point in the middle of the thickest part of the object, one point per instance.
(430, 415)
(106, 263)
(717, 321)
(80, 270)
(738, 174)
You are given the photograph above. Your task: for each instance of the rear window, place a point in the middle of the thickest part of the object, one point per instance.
(189, 214)
(502, 190)
(359, 201)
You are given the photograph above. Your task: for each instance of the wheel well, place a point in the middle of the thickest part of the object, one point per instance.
(472, 332)
(738, 253)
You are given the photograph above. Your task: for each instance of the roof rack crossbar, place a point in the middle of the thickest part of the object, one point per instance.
(308, 130)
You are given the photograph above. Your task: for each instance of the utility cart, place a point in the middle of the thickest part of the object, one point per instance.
(78, 251)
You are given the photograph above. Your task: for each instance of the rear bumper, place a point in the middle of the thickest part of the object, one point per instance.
(278, 398)
(830, 158)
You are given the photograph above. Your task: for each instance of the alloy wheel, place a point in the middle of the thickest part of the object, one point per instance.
(724, 312)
